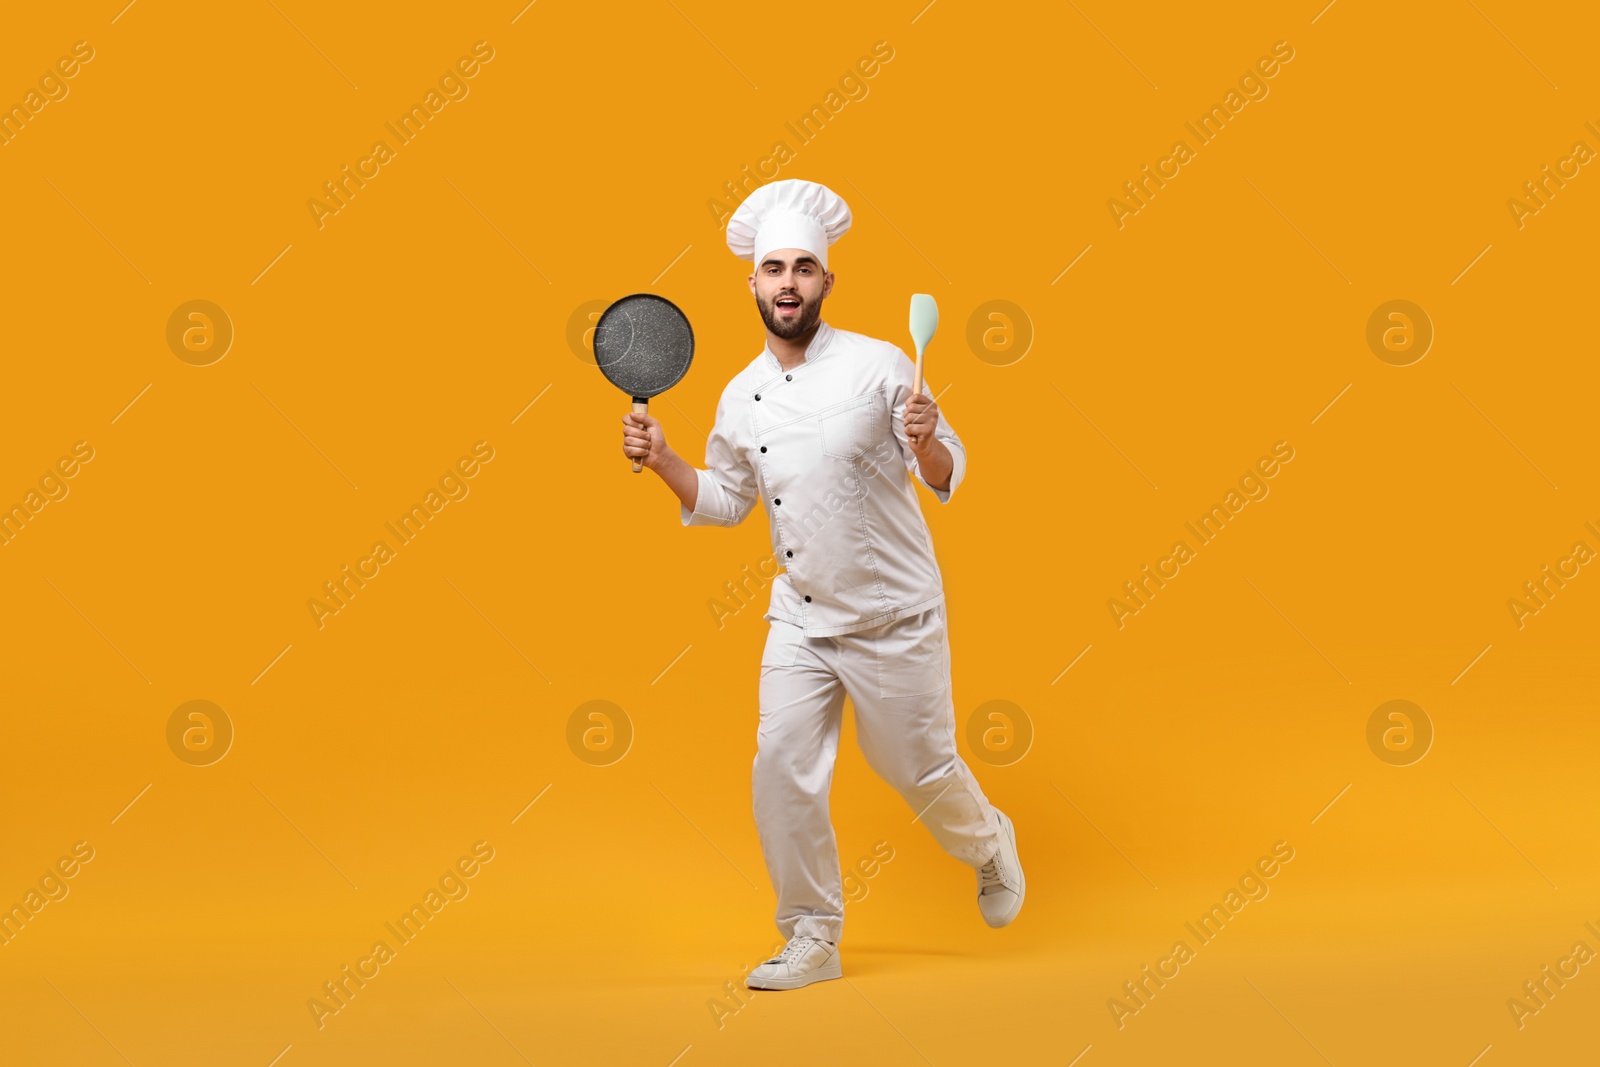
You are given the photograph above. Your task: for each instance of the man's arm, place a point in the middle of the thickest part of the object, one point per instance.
(644, 440)
(933, 457)
(722, 494)
(933, 451)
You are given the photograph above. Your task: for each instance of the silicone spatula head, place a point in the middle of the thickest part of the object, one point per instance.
(924, 319)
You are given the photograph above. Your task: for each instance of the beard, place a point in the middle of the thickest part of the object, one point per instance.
(798, 326)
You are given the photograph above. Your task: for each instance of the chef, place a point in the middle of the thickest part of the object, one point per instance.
(823, 429)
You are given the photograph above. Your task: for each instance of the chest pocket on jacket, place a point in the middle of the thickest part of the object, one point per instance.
(851, 430)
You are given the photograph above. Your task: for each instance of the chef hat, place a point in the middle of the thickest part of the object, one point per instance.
(788, 214)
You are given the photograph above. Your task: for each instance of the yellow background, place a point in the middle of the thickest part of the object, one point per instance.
(425, 716)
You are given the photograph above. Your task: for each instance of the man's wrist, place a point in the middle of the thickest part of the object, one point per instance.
(936, 464)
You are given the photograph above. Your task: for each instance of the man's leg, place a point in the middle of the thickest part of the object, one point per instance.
(898, 677)
(796, 743)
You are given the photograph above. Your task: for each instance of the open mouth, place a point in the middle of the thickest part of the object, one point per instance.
(787, 305)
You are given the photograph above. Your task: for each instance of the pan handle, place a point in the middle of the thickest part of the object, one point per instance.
(640, 407)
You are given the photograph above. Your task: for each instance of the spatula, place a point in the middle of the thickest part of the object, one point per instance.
(924, 321)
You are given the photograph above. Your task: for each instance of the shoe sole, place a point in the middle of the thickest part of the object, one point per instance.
(831, 969)
(1022, 881)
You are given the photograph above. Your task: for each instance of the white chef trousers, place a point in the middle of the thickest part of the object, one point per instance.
(898, 679)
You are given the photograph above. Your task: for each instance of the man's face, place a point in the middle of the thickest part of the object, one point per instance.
(789, 286)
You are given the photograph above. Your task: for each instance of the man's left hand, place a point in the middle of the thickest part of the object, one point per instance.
(921, 418)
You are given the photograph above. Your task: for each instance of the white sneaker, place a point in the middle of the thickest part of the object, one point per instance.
(1000, 882)
(803, 960)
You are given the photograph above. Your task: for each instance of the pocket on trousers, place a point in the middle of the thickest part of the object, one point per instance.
(783, 644)
(911, 655)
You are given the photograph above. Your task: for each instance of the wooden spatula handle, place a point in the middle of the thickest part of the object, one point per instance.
(640, 407)
(916, 382)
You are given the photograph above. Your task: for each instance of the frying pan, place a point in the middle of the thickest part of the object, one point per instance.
(643, 344)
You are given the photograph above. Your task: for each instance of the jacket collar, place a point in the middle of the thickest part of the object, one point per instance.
(814, 351)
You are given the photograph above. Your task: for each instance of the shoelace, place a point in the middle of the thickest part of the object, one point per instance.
(796, 948)
(991, 874)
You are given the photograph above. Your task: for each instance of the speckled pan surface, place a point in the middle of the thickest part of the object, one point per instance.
(643, 344)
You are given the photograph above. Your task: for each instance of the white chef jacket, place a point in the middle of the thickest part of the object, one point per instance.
(824, 448)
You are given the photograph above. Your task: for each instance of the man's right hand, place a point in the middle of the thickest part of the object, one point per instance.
(643, 439)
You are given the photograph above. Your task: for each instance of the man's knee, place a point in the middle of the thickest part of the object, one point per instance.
(909, 776)
(778, 774)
